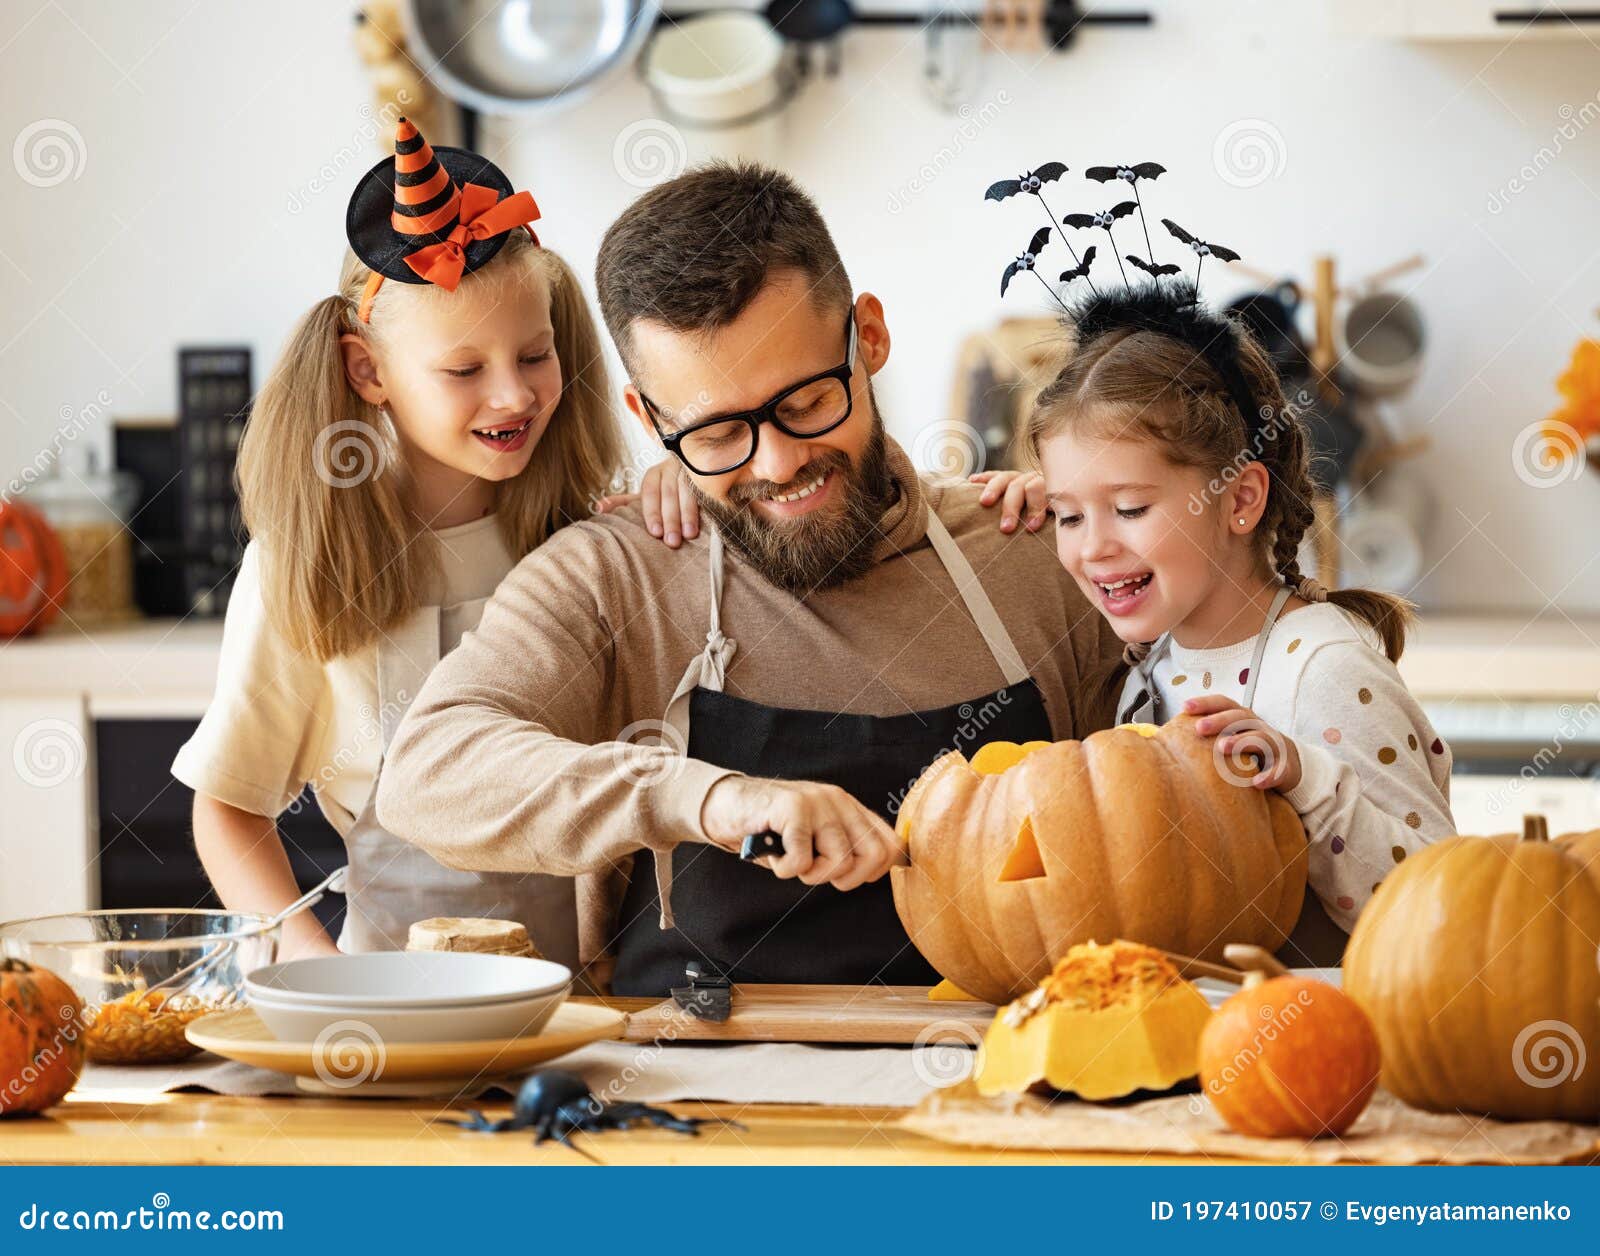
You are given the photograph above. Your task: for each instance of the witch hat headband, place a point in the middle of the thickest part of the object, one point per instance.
(431, 215)
(1169, 309)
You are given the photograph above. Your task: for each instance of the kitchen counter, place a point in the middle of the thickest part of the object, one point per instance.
(214, 1129)
(147, 1127)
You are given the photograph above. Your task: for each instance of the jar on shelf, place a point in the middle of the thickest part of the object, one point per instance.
(89, 510)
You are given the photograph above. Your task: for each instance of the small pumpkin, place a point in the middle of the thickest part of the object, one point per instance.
(1107, 1021)
(1476, 960)
(1133, 832)
(1289, 1057)
(33, 570)
(41, 1038)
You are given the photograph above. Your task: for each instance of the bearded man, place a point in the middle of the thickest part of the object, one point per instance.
(629, 713)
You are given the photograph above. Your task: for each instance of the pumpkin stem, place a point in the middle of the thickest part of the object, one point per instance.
(1255, 962)
(1535, 828)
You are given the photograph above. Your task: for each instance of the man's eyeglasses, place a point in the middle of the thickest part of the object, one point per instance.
(810, 408)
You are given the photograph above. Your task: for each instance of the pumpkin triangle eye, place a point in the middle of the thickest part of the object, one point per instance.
(1023, 863)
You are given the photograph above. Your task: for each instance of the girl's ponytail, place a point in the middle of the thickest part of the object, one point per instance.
(319, 488)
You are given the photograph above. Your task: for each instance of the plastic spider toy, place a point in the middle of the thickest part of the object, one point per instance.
(557, 1104)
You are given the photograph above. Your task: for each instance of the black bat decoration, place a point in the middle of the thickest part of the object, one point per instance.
(1144, 170)
(1028, 258)
(1081, 270)
(1203, 247)
(1031, 181)
(1104, 218)
(1166, 268)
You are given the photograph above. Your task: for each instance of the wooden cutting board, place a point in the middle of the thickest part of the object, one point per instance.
(782, 1013)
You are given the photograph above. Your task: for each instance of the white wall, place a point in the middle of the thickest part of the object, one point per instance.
(202, 124)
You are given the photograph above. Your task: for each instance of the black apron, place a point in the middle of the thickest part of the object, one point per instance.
(737, 917)
(1316, 941)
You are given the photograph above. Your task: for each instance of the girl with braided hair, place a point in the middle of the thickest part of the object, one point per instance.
(1180, 480)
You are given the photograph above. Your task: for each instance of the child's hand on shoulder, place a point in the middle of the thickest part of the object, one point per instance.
(1241, 735)
(667, 499)
(1018, 492)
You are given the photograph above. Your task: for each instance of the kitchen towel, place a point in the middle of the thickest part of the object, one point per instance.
(638, 1072)
(1388, 1132)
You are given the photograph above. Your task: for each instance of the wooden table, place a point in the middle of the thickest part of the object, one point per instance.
(147, 1127)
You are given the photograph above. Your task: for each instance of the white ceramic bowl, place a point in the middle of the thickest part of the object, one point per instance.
(336, 1021)
(407, 980)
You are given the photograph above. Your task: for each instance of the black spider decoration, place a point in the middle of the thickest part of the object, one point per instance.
(1104, 218)
(1081, 270)
(1032, 181)
(557, 1104)
(1131, 176)
(1203, 248)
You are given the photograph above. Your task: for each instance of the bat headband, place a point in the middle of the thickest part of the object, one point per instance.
(1165, 302)
(431, 215)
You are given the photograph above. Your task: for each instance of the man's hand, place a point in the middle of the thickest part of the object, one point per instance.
(828, 837)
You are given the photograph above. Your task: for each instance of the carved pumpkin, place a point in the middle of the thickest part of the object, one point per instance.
(1134, 833)
(41, 1038)
(1477, 961)
(1289, 1057)
(1107, 1021)
(33, 570)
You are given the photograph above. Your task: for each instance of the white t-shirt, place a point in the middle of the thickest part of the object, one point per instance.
(1375, 777)
(280, 719)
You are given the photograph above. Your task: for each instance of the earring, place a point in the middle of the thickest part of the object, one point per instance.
(1242, 521)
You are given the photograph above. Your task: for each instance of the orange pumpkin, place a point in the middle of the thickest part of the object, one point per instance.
(1476, 959)
(1131, 833)
(41, 1038)
(1289, 1057)
(33, 570)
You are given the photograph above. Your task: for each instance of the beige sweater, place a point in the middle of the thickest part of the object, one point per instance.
(531, 745)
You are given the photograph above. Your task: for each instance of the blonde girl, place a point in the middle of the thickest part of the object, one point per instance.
(418, 437)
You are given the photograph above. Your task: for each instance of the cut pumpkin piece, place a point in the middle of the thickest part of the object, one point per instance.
(948, 989)
(1107, 1021)
(996, 757)
(1023, 863)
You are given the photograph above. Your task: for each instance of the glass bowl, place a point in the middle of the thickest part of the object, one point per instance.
(112, 958)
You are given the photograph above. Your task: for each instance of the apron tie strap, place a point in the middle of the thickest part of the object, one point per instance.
(707, 670)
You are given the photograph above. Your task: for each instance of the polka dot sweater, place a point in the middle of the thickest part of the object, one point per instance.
(1375, 777)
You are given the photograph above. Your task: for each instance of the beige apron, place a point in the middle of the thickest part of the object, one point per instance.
(392, 883)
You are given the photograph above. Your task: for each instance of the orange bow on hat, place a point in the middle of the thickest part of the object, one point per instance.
(481, 215)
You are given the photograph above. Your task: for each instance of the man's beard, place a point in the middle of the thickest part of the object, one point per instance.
(816, 551)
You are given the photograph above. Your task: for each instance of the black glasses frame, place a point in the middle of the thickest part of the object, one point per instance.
(768, 413)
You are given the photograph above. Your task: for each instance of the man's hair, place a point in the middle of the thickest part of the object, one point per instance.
(693, 252)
